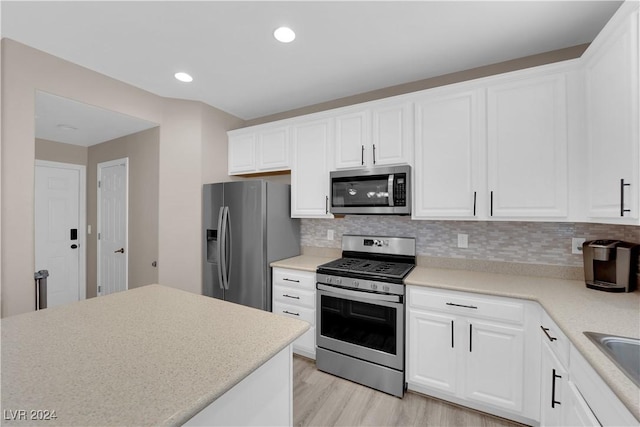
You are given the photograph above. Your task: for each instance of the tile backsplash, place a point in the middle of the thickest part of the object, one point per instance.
(518, 242)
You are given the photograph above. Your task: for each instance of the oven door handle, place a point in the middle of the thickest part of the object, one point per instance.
(360, 295)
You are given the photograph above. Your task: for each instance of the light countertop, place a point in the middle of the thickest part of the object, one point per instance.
(573, 306)
(303, 262)
(148, 356)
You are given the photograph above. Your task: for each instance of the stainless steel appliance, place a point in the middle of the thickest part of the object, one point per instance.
(611, 265)
(361, 313)
(246, 226)
(383, 190)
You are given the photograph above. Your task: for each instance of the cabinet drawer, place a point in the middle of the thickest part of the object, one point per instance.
(302, 313)
(465, 304)
(294, 296)
(294, 278)
(555, 338)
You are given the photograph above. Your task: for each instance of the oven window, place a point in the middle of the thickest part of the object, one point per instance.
(364, 324)
(361, 191)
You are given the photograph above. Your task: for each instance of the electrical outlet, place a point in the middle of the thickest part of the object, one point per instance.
(576, 245)
(463, 240)
(329, 234)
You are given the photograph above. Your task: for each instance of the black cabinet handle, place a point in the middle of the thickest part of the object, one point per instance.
(474, 203)
(554, 402)
(326, 204)
(470, 338)
(288, 312)
(452, 346)
(74, 246)
(462, 305)
(290, 296)
(546, 332)
(622, 209)
(491, 211)
(374, 154)
(290, 280)
(362, 155)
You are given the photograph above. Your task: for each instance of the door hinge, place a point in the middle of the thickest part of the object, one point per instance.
(98, 236)
(99, 184)
(99, 288)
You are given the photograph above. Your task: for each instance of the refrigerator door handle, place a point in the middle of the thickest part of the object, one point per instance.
(228, 242)
(220, 247)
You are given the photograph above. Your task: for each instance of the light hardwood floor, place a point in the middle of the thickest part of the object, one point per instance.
(320, 399)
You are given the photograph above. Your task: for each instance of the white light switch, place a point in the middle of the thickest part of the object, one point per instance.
(89, 229)
(329, 234)
(463, 240)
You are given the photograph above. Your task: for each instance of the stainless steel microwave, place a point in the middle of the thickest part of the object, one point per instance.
(374, 191)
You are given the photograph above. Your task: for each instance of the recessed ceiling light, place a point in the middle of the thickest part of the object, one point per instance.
(284, 34)
(183, 77)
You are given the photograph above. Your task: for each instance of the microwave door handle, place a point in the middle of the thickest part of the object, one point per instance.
(390, 189)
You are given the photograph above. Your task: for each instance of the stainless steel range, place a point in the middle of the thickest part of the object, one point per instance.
(361, 314)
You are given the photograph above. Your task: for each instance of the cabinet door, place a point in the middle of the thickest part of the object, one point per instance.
(273, 149)
(242, 153)
(353, 143)
(495, 365)
(432, 352)
(577, 412)
(392, 134)
(310, 170)
(527, 148)
(552, 389)
(446, 160)
(612, 125)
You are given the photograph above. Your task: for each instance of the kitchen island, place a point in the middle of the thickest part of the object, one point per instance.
(148, 356)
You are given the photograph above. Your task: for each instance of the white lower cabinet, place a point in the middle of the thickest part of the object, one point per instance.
(553, 388)
(471, 350)
(294, 295)
(561, 404)
(577, 412)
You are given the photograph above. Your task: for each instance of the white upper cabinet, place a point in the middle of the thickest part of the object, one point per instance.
(392, 133)
(353, 139)
(263, 150)
(242, 153)
(448, 139)
(376, 136)
(310, 169)
(527, 148)
(612, 94)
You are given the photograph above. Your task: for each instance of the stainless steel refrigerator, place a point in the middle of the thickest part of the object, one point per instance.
(246, 226)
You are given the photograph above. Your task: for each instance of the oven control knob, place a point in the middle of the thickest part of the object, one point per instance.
(338, 281)
(385, 288)
(356, 284)
(329, 279)
(374, 286)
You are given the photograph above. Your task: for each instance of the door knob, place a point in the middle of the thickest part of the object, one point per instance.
(119, 251)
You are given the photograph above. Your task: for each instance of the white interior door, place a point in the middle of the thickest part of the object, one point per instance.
(112, 226)
(59, 209)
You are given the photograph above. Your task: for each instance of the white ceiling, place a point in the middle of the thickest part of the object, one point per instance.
(342, 47)
(71, 122)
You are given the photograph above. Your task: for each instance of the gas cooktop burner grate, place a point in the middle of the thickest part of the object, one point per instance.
(367, 267)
